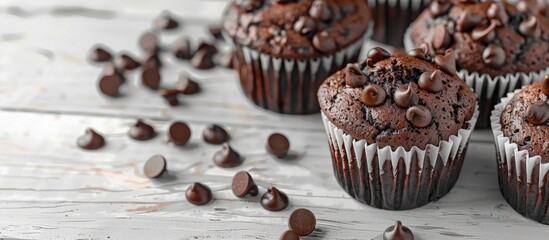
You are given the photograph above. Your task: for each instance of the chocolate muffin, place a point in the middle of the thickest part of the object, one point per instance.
(392, 17)
(398, 127)
(285, 49)
(521, 129)
(498, 47)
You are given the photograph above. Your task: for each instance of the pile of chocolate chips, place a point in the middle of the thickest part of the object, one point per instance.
(206, 56)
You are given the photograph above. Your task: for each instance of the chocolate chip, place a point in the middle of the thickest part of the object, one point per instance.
(398, 232)
(215, 134)
(431, 81)
(179, 133)
(302, 222)
(216, 32)
(494, 56)
(484, 34)
(305, 25)
(530, 28)
(467, 20)
(227, 157)
(187, 86)
(100, 54)
(545, 85)
(289, 235)
(211, 48)
(274, 200)
(125, 61)
(419, 53)
(203, 59)
(91, 140)
(278, 145)
(181, 48)
(496, 11)
(165, 22)
(150, 77)
(419, 116)
(198, 194)
(447, 62)
(243, 184)
(324, 42)
(320, 10)
(152, 59)
(439, 7)
(376, 55)
(441, 37)
(405, 96)
(155, 166)
(148, 42)
(170, 95)
(354, 77)
(141, 131)
(373, 95)
(110, 81)
(538, 113)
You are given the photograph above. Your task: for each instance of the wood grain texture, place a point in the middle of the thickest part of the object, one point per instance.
(50, 189)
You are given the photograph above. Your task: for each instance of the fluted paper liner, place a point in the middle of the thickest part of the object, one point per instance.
(398, 179)
(523, 179)
(489, 89)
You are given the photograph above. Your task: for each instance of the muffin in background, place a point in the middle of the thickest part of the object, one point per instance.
(285, 49)
(520, 124)
(398, 127)
(498, 47)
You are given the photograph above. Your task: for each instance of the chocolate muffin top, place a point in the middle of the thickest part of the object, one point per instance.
(490, 37)
(400, 100)
(296, 29)
(525, 119)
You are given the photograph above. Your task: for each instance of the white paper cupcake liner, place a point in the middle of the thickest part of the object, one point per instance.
(399, 179)
(523, 179)
(489, 89)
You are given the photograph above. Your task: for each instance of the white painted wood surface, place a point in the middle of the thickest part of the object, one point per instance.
(50, 189)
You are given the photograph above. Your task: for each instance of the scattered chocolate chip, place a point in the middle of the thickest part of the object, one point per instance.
(431, 81)
(302, 222)
(484, 34)
(148, 42)
(289, 235)
(125, 61)
(187, 86)
(274, 200)
(447, 62)
(110, 81)
(215, 134)
(354, 77)
(398, 232)
(439, 7)
(373, 95)
(467, 20)
(405, 97)
(545, 85)
(377, 54)
(227, 157)
(441, 37)
(100, 54)
(198, 194)
(243, 184)
(320, 10)
(530, 27)
(165, 22)
(181, 48)
(324, 42)
(91, 140)
(141, 131)
(538, 113)
(155, 166)
(494, 56)
(419, 116)
(497, 11)
(150, 77)
(179, 133)
(305, 25)
(216, 32)
(278, 145)
(203, 59)
(170, 95)
(152, 59)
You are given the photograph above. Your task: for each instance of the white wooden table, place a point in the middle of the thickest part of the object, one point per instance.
(50, 189)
